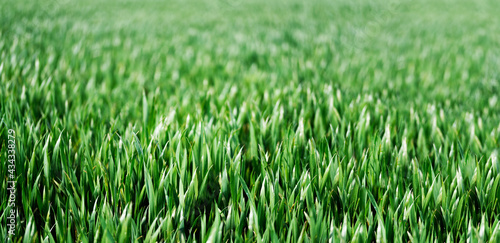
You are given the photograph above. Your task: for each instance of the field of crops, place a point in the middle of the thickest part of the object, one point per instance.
(249, 121)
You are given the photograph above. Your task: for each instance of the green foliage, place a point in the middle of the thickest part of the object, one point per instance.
(282, 121)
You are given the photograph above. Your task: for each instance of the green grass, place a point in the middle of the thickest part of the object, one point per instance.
(231, 121)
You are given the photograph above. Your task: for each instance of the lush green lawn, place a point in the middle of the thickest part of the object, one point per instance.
(283, 121)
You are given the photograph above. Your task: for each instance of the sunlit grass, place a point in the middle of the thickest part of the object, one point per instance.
(267, 121)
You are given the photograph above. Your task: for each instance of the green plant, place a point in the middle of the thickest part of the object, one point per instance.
(192, 121)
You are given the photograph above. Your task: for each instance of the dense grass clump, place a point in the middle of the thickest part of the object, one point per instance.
(236, 121)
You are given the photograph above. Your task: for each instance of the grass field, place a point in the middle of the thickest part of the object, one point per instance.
(250, 121)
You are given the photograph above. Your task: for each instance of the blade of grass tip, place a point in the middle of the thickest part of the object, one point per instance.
(46, 163)
(495, 235)
(152, 234)
(138, 146)
(214, 230)
(203, 225)
(125, 221)
(150, 192)
(144, 108)
(29, 230)
(56, 147)
(429, 194)
(381, 235)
